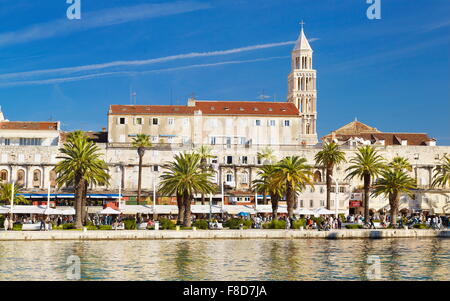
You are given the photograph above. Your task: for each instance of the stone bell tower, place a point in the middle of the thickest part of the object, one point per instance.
(302, 88)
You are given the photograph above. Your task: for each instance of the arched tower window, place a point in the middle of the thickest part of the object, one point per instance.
(21, 177)
(308, 128)
(37, 178)
(317, 176)
(4, 176)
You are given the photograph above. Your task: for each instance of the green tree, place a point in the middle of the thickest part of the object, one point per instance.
(400, 163)
(392, 184)
(141, 141)
(184, 178)
(441, 177)
(7, 191)
(205, 153)
(80, 165)
(329, 157)
(266, 156)
(366, 165)
(266, 184)
(294, 174)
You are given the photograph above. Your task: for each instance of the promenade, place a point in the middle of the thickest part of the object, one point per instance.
(219, 234)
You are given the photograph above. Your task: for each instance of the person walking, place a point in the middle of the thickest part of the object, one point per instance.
(6, 223)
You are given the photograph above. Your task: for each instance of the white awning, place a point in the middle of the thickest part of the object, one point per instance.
(108, 210)
(236, 209)
(304, 211)
(268, 209)
(323, 211)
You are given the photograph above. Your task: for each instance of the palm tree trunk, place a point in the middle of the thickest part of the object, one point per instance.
(83, 203)
(393, 202)
(274, 201)
(79, 187)
(203, 199)
(290, 201)
(366, 197)
(139, 179)
(265, 198)
(180, 203)
(329, 175)
(187, 211)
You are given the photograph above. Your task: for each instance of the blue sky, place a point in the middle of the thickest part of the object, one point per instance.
(392, 73)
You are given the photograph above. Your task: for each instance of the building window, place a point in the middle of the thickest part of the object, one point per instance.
(244, 178)
(170, 139)
(322, 203)
(29, 141)
(333, 189)
(321, 190)
(228, 142)
(170, 121)
(229, 159)
(155, 121)
(36, 178)
(258, 122)
(287, 123)
(138, 121)
(6, 141)
(311, 203)
(229, 177)
(272, 122)
(154, 139)
(244, 160)
(301, 204)
(122, 120)
(4, 176)
(155, 168)
(212, 140)
(341, 189)
(242, 140)
(20, 177)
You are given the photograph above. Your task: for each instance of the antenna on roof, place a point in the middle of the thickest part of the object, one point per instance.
(263, 96)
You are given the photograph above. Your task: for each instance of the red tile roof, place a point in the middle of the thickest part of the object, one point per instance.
(29, 125)
(211, 108)
(389, 138)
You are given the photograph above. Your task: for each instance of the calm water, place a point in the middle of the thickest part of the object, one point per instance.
(401, 259)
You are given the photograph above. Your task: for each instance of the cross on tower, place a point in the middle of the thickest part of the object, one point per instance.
(302, 23)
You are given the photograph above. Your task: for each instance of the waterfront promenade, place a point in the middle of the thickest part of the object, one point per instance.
(219, 234)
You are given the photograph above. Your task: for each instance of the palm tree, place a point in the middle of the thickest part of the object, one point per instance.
(329, 156)
(400, 163)
(266, 156)
(294, 174)
(7, 190)
(392, 184)
(367, 164)
(442, 173)
(205, 154)
(141, 141)
(80, 165)
(266, 184)
(184, 178)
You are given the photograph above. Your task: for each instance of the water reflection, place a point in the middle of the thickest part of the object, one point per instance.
(315, 259)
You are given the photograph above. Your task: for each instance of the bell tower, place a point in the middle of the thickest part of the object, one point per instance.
(302, 88)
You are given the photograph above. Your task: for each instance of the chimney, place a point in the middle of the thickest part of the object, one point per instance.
(103, 130)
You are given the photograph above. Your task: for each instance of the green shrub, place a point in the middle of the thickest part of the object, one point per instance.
(201, 224)
(234, 223)
(68, 226)
(420, 226)
(342, 217)
(275, 224)
(186, 228)
(2, 220)
(300, 223)
(166, 224)
(105, 227)
(353, 226)
(91, 227)
(130, 224)
(17, 227)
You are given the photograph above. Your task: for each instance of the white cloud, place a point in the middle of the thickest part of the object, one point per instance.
(131, 73)
(134, 63)
(107, 17)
